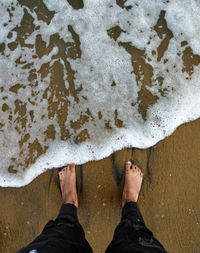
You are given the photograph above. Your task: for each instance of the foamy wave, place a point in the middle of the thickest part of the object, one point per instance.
(80, 83)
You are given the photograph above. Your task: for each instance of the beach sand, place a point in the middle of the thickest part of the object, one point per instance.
(169, 199)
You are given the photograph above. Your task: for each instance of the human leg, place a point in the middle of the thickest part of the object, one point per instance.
(131, 235)
(64, 234)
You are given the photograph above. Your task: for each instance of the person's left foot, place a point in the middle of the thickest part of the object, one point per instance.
(67, 178)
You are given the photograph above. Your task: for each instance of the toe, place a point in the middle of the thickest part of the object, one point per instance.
(72, 167)
(128, 165)
(137, 168)
(60, 174)
(134, 167)
(64, 170)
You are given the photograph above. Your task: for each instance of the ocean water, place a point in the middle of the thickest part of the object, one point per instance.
(82, 79)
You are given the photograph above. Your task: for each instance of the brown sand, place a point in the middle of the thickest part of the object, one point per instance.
(169, 200)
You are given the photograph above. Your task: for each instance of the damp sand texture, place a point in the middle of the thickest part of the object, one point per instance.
(80, 80)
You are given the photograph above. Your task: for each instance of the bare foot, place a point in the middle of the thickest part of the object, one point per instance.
(68, 185)
(132, 184)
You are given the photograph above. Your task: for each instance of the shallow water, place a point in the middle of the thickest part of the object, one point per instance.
(81, 81)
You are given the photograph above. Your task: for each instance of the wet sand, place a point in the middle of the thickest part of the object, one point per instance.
(169, 199)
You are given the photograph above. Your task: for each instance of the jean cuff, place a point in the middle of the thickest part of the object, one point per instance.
(131, 212)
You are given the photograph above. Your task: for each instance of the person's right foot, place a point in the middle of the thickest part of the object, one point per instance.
(132, 184)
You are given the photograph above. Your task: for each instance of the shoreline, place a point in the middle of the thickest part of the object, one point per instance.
(168, 199)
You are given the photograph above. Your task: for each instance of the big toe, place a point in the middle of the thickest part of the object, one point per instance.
(128, 165)
(72, 166)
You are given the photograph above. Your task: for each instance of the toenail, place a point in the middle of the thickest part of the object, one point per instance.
(129, 162)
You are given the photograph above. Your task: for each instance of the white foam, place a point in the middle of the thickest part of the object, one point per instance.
(102, 62)
(183, 19)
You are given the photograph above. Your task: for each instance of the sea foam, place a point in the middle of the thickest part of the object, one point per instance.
(79, 84)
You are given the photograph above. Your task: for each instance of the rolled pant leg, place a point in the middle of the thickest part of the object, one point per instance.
(65, 234)
(131, 235)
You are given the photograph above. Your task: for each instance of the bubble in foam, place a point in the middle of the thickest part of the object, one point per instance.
(78, 84)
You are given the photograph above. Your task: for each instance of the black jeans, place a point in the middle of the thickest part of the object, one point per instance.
(66, 235)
